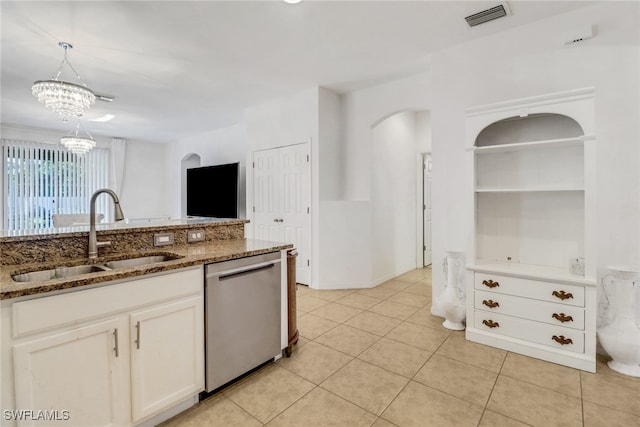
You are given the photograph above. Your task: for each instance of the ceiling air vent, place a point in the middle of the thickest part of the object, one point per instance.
(488, 15)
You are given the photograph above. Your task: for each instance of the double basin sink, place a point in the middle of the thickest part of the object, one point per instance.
(77, 270)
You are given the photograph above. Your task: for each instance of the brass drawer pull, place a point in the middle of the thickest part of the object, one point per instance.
(562, 340)
(562, 295)
(490, 283)
(491, 303)
(562, 317)
(491, 323)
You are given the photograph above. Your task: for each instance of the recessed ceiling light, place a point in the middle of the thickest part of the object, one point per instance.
(292, 1)
(104, 118)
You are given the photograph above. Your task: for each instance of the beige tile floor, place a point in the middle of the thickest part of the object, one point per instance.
(377, 357)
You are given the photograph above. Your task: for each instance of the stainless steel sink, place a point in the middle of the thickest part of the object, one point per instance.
(135, 262)
(58, 273)
(65, 272)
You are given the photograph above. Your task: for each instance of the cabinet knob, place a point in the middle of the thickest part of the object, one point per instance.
(562, 295)
(562, 340)
(491, 303)
(490, 283)
(562, 317)
(491, 323)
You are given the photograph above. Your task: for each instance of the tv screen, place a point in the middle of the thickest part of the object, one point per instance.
(212, 191)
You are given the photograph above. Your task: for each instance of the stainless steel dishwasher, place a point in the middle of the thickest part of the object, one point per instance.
(242, 315)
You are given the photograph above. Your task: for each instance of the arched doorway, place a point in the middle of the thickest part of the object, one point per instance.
(401, 143)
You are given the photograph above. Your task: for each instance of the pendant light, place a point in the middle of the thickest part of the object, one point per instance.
(67, 99)
(78, 144)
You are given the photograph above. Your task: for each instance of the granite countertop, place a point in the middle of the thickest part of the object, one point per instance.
(190, 255)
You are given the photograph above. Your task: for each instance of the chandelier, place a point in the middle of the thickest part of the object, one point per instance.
(77, 144)
(68, 100)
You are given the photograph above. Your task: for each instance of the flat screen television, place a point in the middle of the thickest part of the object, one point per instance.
(212, 191)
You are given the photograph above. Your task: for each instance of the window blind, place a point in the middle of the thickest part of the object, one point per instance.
(44, 179)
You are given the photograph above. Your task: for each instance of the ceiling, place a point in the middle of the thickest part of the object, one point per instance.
(179, 68)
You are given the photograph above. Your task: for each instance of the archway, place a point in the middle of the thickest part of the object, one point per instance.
(400, 142)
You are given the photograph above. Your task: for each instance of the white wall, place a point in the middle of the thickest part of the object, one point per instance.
(227, 145)
(288, 121)
(145, 181)
(345, 245)
(526, 61)
(330, 148)
(393, 195)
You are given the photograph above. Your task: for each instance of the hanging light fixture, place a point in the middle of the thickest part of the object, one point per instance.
(78, 144)
(68, 100)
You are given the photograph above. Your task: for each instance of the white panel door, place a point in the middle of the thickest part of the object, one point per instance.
(266, 195)
(282, 201)
(296, 202)
(167, 355)
(83, 371)
(427, 210)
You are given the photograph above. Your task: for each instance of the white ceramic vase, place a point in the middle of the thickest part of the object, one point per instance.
(452, 300)
(620, 335)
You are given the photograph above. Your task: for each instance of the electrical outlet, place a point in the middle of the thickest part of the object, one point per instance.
(195, 235)
(162, 239)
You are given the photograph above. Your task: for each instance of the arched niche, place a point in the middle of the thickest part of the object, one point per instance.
(191, 160)
(533, 127)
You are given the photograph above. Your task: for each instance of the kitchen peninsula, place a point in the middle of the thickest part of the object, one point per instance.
(117, 339)
(222, 240)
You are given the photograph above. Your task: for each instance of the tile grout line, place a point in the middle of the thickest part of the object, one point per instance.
(410, 379)
(486, 404)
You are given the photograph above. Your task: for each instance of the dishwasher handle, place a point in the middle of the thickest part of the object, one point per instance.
(241, 271)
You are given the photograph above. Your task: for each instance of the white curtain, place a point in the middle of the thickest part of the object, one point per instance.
(117, 159)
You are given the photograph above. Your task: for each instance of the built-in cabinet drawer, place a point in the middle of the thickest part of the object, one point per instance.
(527, 330)
(539, 290)
(546, 312)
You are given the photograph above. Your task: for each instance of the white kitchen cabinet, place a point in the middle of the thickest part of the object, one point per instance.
(533, 189)
(282, 201)
(81, 373)
(80, 351)
(166, 355)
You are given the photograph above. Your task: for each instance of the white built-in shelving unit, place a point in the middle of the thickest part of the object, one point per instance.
(533, 163)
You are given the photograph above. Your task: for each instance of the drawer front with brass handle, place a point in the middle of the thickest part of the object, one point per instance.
(525, 308)
(490, 323)
(490, 283)
(530, 331)
(536, 289)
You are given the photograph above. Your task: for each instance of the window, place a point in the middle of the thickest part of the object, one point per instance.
(45, 179)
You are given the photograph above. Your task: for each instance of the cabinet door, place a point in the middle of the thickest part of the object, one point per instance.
(81, 373)
(167, 355)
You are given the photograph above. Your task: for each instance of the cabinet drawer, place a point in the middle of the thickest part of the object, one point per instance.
(528, 330)
(545, 291)
(547, 312)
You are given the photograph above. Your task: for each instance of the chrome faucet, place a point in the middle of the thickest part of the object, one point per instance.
(118, 216)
